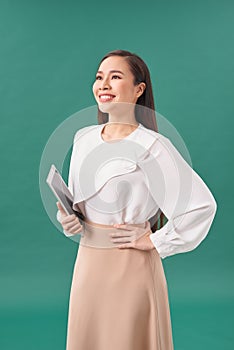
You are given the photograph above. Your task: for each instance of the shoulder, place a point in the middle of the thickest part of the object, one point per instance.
(160, 145)
(151, 133)
(86, 132)
(152, 138)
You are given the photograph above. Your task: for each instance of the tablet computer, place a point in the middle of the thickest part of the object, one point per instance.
(61, 192)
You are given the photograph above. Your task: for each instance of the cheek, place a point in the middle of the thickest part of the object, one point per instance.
(123, 88)
(128, 86)
(94, 88)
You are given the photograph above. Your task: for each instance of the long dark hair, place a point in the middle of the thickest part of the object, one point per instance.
(145, 116)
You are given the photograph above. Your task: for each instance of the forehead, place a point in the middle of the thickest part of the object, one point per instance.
(114, 62)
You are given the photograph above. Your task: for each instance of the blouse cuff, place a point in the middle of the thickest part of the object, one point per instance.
(172, 239)
(161, 242)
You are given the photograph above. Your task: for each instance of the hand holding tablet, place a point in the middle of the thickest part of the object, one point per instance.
(70, 223)
(65, 205)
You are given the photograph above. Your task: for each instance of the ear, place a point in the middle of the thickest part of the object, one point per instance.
(140, 89)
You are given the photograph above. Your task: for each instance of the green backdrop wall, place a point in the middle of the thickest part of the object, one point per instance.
(49, 56)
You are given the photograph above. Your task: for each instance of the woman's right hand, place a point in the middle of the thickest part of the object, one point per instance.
(70, 223)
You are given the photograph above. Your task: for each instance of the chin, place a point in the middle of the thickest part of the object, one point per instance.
(117, 107)
(107, 107)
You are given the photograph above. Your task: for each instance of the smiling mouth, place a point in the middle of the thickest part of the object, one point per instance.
(106, 98)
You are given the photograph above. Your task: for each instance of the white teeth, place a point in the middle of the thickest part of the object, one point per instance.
(106, 97)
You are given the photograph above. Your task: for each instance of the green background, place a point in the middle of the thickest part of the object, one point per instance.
(49, 55)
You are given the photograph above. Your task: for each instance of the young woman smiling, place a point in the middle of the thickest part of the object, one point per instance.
(125, 176)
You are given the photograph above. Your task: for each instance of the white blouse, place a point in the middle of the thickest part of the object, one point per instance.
(131, 179)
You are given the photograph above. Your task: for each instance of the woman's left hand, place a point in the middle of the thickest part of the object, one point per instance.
(130, 240)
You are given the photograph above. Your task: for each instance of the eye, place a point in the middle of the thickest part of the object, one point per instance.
(116, 76)
(97, 77)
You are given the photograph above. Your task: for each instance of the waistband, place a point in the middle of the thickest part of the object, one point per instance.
(98, 237)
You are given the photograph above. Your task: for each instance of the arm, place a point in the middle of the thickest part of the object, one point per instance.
(70, 182)
(183, 197)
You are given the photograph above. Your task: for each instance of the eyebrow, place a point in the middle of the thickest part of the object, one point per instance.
(112, 71)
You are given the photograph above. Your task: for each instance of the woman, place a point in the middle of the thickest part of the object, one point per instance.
(123, 175)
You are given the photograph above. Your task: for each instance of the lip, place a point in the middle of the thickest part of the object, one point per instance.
(107, 100)
(106, 95)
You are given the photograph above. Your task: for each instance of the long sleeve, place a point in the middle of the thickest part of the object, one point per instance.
(183, 197)
(70, 181)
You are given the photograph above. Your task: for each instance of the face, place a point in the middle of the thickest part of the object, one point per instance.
(114, 83)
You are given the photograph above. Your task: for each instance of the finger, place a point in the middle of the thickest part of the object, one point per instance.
(76, 229)
(70, 219)
(120, 234)
(69, 225)
(123, 226)
(61, 208)
(121, 240)
(126, 245)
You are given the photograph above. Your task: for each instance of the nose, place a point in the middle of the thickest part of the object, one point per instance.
(104, 84)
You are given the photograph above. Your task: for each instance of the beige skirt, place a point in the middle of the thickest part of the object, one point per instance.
(118, 298)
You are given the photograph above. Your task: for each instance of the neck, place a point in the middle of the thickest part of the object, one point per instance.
(124, 120)
(119, 127)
